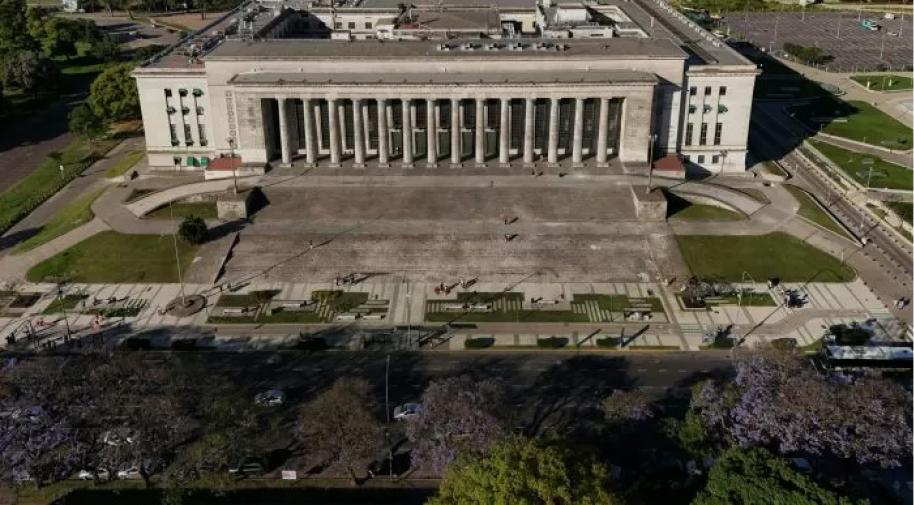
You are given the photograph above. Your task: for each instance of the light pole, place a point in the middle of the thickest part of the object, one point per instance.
(63, 309)
(231, 142)
(723, 159)
(650, 162)
(174, 237)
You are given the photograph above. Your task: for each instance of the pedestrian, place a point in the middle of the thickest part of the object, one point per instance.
(506, 221)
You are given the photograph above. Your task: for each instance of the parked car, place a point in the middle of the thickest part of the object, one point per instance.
(88, 475)
(249, 466)
(270, 398)
(406, 411)
(129, 473)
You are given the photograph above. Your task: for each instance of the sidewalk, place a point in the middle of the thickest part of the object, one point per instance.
(681, 329)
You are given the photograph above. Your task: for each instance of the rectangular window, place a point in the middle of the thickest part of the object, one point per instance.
(688, 134)
(693, 90)
(174, 133)
(188, 138)
(368, 25)
(201, 131)
(167, 93)
(718, 130)
(715, 159)
(469, 115)
(337, 25)
(707, 90)
(444, 111)
(421, 114)
(703, 134)
(722, 91)
(493, 114)
(351, 25)
(701, 158)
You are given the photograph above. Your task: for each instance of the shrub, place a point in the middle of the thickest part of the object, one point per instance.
(608, 342)
(478, 343)
(193, 229)
(551, 342)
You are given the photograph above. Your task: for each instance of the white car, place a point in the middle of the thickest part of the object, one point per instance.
(87, 475)
(407, 411)
(129, 473)
(270, 398)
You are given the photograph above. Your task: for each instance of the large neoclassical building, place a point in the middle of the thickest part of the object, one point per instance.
(448, 84)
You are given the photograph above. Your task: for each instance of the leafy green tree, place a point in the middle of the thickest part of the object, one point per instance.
(106, 49)
(193, 229)
(84, 123)
(757, 477)
(14, 33)
(526, 471)
(113, 95)
(31, 72)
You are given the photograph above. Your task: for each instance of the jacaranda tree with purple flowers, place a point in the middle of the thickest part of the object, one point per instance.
(779, 400)
(459, 416)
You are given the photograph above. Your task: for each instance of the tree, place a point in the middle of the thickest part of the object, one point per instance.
(84, 123)
(59, 37)
(14, 33)
(340, 425)
(30, 71)
(459, 416)
(628, 406)
(757, 477)
(193, 229)
(525, 471)
(779, 400)
(113, 95)
(106, 49)
(144, 53)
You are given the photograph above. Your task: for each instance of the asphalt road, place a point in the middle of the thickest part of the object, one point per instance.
(546, 389)
(884, 263)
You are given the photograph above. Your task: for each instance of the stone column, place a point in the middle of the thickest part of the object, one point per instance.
(456, 150)
(333, 119)
(310, 144)
(553, 154)
(431, 130)
(576, 147)
(284, 147)
(504, 130)
(357, 133)
(601, 131)
(480, 131)
(407, 112)
(529, 111)
(383, 134)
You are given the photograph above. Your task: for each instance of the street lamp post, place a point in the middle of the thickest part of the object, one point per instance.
(650, 162)
(63, 308)
(174, 237)
(231, 142)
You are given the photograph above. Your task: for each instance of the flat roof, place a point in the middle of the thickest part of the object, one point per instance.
(285, 49)
(297, 78)
(482, 4)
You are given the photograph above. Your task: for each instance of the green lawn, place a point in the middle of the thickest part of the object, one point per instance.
(810, 209)
(74, 215)
(884, 82)
(776, 254)
(67, 302)
(855, 120)
(902, 209)
(884, 174)
(206, 210)
(19, 200)
(680, 208)
(124, 164)
(116, 258)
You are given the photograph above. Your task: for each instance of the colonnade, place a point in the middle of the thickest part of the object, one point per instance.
(371, 129)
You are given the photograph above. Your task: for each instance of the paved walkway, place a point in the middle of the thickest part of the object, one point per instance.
(406, 303)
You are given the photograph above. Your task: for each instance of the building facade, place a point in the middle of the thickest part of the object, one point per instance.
(373, 84)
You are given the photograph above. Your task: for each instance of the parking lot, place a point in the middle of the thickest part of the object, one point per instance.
(840, 34)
